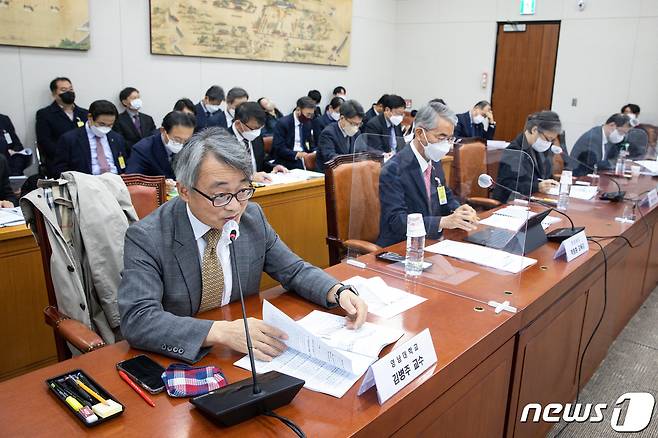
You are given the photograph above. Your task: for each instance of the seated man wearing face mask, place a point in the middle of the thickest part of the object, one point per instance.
(94, 148)
(385, 129)
(208, 111)
(293, 137)
(154, 155)
(331, 115)
(472, 123)
(413, 181)
(132, 124)
(340, 138)
(600, 145)
(531, 171)
(247, 125)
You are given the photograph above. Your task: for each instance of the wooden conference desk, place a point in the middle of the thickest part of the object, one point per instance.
(296, 211)
(490, 365)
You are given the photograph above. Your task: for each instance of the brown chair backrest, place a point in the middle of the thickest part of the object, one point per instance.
(146, 192)
(310, 161)
(652, 132)
(267, 144)
(470, 162)
(352, 214)
(446, 164)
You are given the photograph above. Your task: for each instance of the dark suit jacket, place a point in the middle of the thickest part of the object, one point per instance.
(370, 114)
(203, 120)
(465, 128)
(6, 193)
(332, 143)
(16, 162)
(521, 172)
(284, 142)
(587, 150)
(318, 124)
(379, 140)
(259, 152)
(124, 125)
(150, 157)
(160, 291)
(52, 122)
(402, 192)
(74, 151)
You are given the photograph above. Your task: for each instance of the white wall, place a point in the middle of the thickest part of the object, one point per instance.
(120, 56)
(607, 54)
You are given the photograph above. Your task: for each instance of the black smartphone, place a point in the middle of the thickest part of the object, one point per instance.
(391, 257)
(145, 371)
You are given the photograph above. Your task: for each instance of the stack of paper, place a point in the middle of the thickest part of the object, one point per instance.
(650, 165)
(383, 300)
(497, 144)
(295, 175)
(11, 216)
(510, 218)
(481, 255)
(583, 192)
(322, 351)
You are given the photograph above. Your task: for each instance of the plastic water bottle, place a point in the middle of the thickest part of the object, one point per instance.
(413, 263)
(565, 188)
(596, 179)
(621, 162)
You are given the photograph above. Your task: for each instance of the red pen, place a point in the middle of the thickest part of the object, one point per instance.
(137, 389)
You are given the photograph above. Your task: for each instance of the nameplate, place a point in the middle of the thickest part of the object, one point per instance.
(652, 198)
(400, 367)
(573, 247)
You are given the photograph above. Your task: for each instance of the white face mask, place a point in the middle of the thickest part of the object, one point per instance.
(136, 104)
(335, 116)
(436, 151)
(350, 130)
(251, 135)
(478, 119)
(212, 108)
(615, 137)
(173, 146)
(100, 131)
(541, 145)
(396, 120)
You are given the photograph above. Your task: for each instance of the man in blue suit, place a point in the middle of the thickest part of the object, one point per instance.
(293, 137)
(600, 145)
(154, 155)
(413, 181)
(330, 116)
(340, 138)
(94, 148)
(208, 111)
(472, 123)
(61, 116)
(385, 130)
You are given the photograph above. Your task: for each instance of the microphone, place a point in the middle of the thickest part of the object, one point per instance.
(485, 181)
(607, 196)
(245, 399)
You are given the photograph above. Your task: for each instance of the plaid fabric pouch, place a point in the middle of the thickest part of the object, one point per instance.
(183, 380)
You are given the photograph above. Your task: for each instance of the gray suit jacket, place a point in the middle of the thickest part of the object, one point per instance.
(161, 287)
(587, 150)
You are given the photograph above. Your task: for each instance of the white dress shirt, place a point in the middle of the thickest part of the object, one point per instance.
(298, 140)
(251, 149)
(95, 166)
(229, 118)
(604, 140)
(200, 229)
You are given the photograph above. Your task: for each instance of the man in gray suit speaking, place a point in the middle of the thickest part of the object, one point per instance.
(177, 260)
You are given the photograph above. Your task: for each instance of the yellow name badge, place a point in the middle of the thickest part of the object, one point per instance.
(441, 191)
(80, 123)
(122, 162)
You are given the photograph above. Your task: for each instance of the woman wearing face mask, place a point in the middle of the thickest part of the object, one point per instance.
(341, 138)
(526, 165)
(413, 181)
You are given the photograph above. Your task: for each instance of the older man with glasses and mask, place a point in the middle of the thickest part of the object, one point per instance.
(177, 260)
(413, 181)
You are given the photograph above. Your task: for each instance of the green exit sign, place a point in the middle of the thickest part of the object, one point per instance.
(527, 7)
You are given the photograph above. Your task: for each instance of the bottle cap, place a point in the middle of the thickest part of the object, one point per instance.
(415, 225)
(566, 177)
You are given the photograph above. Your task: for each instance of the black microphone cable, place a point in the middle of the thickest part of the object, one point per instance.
(288, 422)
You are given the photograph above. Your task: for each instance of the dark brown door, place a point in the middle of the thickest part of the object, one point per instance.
(523, 74)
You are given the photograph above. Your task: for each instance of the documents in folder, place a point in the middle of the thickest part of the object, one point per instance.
(321, 350)
(11, 216)
(481, 255)
(295, 175)
(383, 300)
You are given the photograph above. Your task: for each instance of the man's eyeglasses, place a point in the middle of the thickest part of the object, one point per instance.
(223, 199)
(552, 140)
(357, 125)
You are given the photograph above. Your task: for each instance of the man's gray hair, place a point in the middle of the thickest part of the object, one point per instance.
(218, 142)
(426, 117)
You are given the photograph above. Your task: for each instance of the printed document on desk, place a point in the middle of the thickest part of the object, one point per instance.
(510, 218)
(312, 355)
(295, 175)
(383, 300)
(481, 255)
(650, 165)
(11, 216)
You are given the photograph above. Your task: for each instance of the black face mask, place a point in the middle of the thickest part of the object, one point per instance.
(68, 97)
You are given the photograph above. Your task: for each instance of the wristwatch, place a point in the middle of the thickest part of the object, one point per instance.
(342, 288)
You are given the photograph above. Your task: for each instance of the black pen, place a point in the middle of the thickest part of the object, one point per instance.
(73, 388)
